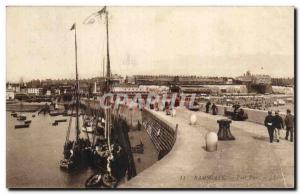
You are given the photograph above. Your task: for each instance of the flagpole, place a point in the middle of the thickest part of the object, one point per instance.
(77, 88)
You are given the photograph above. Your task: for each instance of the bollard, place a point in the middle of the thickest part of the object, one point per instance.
(211, 140)
(224, 132)
(193, 119)
(173, 112)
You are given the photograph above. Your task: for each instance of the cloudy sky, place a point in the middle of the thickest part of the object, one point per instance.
(215, 41)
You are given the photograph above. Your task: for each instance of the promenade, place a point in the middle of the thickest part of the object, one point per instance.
(248, 162)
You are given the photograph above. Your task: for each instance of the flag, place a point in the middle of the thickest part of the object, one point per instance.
(92, 18)
(73, 26)
(102, 11)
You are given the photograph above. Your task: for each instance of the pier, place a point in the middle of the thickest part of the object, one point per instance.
(248, 162)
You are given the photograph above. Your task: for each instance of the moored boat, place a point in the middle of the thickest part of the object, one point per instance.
(54, 113)
(21, 117)
(27, 122)
(61, 120)
(21, 126)
(66, 164)
(14, 114)
(94, 181)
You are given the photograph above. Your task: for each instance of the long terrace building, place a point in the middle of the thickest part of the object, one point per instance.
(179, 80)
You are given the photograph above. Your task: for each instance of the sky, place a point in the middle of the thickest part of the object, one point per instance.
(204, 41)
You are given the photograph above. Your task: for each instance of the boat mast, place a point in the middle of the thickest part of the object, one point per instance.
(103, 67)
(107, 53)
(108, 77)
(76, 88)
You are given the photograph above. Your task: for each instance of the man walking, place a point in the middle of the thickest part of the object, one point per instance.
(207, 107)
(214, 109)
(289, 123)
(269, 125)
(278, 125)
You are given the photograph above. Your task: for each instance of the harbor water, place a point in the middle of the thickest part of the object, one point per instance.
(33, 154)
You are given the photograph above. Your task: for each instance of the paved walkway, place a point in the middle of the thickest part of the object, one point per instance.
(248, 162)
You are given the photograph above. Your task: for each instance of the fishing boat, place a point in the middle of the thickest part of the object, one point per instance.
(101, 179)
(102, 150)
(94, 181)
(55, 113)
(21, 126)
(76, 152)
(14, 114)
(27, 122)
(61, 120)
(21, 117)
(104, 139)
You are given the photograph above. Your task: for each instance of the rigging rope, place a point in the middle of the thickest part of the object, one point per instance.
(69, 127)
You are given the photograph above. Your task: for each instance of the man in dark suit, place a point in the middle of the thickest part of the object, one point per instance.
(289, 123)
(278, 125)
(207, 107)
(269, 125)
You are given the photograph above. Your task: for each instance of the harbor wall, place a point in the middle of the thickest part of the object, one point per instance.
(24, 107)
(161, 134)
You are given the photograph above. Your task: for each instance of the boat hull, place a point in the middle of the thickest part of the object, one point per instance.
(21, 126)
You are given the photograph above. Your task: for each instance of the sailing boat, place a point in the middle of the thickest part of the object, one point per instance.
(105, 175)
(74, 151)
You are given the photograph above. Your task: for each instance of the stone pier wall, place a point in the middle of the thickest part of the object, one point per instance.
(162, 135)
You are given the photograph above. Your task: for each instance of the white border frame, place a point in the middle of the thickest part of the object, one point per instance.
(5, 3)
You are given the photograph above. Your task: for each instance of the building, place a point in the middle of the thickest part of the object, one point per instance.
(249, 78)
(10, 94)
(48, 93)
(34, 91)
(256, 83)
(57, 91)
(166, 80)
(262, 79)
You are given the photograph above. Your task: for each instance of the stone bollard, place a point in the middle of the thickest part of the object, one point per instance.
(193, 119)
(211, 141)
(173, 112)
